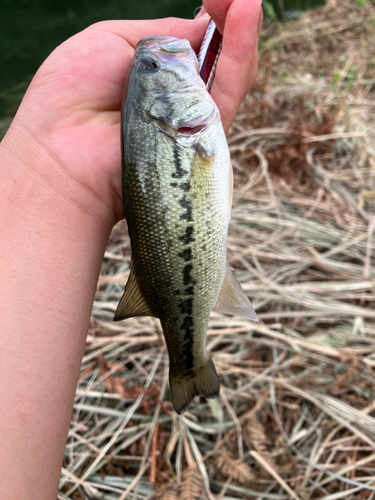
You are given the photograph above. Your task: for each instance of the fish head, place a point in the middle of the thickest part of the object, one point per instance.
(166, 63)
(166, 88)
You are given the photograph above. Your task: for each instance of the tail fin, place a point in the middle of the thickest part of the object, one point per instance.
(202, 382)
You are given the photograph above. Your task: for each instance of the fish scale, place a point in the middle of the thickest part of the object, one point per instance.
(167, 210)
(176, 191)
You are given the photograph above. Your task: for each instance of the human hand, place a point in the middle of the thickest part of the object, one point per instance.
(67, 129)
(61, 194)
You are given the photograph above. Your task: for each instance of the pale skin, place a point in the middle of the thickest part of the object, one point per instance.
(60, 181)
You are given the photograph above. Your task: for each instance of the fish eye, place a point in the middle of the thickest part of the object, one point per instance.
(148, 64)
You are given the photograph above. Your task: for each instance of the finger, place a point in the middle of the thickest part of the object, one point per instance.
(217, 11)
(132, 31)
(237, 64)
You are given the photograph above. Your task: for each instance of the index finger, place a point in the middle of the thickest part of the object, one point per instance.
(132, 31)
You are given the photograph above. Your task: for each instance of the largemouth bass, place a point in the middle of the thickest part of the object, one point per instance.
(177, 189)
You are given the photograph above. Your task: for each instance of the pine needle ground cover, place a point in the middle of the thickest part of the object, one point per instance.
(296, 414)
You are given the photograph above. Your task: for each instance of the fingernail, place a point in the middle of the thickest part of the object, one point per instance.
(201, 13)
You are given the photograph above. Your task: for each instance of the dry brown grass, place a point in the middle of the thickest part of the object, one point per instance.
(296, 416)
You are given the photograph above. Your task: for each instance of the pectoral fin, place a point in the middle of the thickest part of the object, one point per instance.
(232, 299)
(132, 303)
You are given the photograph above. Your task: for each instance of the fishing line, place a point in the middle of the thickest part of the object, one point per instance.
(209, 54)
(197, 10)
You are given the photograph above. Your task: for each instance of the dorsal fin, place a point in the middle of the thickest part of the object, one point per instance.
(232, 299)
(132, 302)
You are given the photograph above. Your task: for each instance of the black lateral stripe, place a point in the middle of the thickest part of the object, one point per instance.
(179, 171)
(187, 238)
(186, 254)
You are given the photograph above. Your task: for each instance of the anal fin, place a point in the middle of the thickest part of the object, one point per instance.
(232, 298)
(133, 302)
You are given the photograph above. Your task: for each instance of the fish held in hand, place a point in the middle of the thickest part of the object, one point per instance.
(177, 190)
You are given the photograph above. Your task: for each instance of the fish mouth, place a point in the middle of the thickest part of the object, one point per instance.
(166, 49)
(167, 44)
